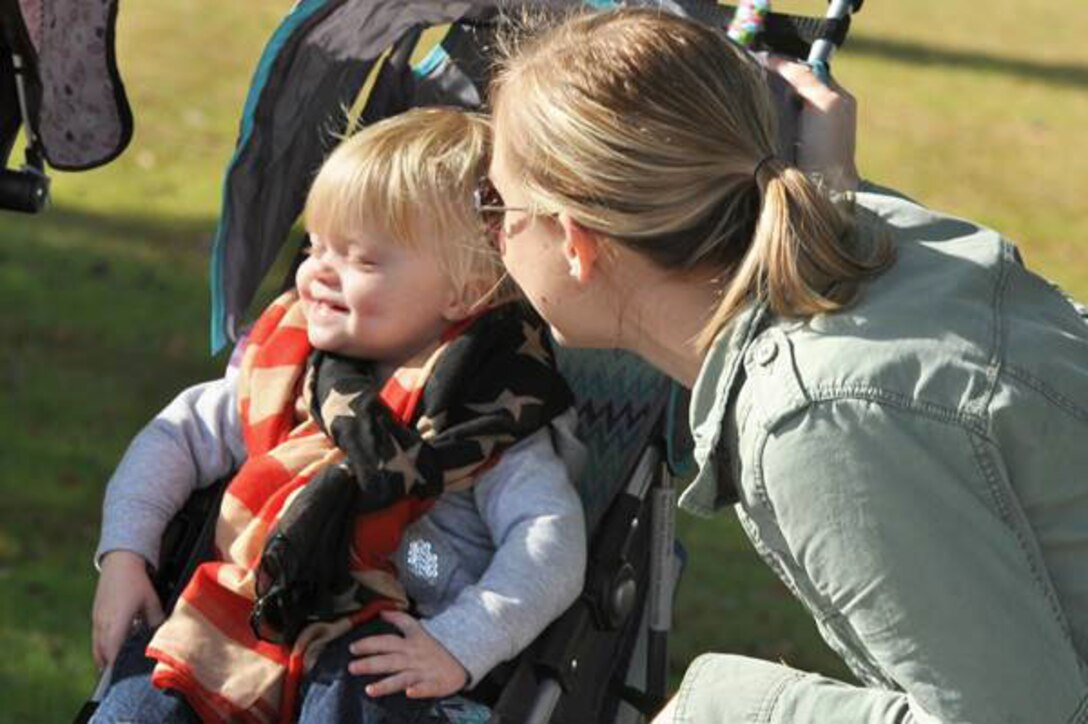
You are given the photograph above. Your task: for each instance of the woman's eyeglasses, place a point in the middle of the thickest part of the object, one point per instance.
(489, 205)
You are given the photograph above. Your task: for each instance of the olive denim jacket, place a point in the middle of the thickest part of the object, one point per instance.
(915, 469)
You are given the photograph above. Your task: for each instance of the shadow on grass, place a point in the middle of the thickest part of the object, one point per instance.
(1061, 74)
(134, 228)
(106, 321)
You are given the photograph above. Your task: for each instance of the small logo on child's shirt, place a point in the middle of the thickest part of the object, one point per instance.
(422, 560)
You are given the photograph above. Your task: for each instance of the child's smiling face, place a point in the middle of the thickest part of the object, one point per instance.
(371, 298)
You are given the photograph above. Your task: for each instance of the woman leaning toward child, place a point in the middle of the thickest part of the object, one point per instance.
(893, 405)
(394, 428)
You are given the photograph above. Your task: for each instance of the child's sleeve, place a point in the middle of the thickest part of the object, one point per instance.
(537, 524)
(193, 442)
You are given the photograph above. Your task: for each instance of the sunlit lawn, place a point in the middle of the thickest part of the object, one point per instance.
(105, 297)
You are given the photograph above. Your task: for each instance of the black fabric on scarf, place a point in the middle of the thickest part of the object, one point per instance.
(493, 385)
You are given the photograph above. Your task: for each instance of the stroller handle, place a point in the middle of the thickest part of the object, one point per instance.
(819, 56)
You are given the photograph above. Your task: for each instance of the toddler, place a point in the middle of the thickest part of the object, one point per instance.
(402, 517)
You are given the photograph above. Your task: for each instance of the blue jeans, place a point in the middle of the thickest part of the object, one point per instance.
(132, 698)
(329, 693)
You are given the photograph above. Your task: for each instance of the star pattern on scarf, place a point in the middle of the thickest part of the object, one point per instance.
(487, 444)
(403, 461)
(337, 404)
(533, 346)
(507, 401)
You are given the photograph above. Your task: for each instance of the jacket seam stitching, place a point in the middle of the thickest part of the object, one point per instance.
(1001, 500)
(770, 700)
(1080, 714)
(853, 654)
(1021, 375)
(720, 407)
(683, 696)
(939, 413)
(993, 368)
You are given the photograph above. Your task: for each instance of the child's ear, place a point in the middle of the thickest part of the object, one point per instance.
(581, 248)
(462, 303)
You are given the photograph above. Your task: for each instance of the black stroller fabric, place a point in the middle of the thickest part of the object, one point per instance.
(312, 69)
(76, 101)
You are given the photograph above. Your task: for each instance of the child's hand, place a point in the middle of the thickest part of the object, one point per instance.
(124, 592)
(421, 667)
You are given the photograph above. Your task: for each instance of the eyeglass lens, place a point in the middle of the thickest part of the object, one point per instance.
(489, 205)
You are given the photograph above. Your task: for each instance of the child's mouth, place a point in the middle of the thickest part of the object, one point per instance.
(323, 307)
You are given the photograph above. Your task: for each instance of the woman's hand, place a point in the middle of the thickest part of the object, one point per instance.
(419, 665)
(124, 593)
(827, 128)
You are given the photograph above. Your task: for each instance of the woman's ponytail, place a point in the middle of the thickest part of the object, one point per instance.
(805, 258)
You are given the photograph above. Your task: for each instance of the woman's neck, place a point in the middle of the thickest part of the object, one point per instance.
(662, 314)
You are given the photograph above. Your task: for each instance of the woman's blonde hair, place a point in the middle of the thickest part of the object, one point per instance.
(412, 177)
(659, 133)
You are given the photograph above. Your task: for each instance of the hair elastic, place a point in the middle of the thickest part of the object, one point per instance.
(759, 166)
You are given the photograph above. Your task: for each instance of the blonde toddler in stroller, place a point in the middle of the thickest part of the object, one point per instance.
(399, 429)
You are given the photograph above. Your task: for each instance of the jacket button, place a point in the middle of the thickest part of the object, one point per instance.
(764, 352)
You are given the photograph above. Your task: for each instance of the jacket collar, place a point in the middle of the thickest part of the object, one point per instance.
(711, 395)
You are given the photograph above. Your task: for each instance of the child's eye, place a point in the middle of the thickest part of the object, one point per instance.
(362, 262)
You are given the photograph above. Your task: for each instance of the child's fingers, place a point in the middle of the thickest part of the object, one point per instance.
(152, 609)
(381, 644)
(379, 664)
(392, 684)
(436, 682)
(403, 621)
(427, 689)
(108, 639)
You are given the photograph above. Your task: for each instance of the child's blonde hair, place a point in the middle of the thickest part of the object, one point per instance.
(412, 177)
(658, 133)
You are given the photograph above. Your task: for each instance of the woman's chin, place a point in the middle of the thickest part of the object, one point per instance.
(576, 340)
(572, 341)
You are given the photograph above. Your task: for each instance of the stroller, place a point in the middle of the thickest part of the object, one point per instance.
(59, 82)
(605, 659)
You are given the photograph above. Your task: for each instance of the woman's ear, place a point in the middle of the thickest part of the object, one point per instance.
(581, 248)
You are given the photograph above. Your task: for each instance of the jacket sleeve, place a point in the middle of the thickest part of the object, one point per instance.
(902, 523)
(191, 443)
(733, 689)
(538, 529)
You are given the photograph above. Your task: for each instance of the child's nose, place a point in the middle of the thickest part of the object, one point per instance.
(325, 272)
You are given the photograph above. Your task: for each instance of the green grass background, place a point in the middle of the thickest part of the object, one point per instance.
(978, 107)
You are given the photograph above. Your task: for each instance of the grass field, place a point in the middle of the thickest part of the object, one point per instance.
(976, 107)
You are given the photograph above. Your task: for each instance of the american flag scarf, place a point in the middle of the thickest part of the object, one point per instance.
(337, 467)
